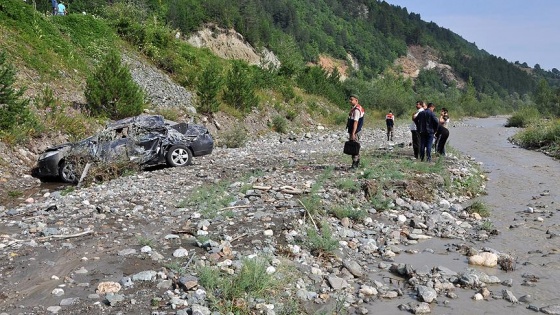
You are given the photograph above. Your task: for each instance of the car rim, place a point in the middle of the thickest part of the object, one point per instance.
(180, 156)
(68, 172)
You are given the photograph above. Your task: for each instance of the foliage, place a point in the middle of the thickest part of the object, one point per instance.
(111, 92)
(58, 116)
(541, 134)
(239, 88)
(480, 208)
(348, 212)
(210, 199)
(321, 241)
(209, 84)
(279, 124)
(14, 110)
(524, 117)
(236, 137)
(251, 281)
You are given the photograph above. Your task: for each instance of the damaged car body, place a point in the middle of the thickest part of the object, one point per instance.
(145, 140)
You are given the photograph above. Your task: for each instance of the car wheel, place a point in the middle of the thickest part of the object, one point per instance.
(67, 172)
(178, 155)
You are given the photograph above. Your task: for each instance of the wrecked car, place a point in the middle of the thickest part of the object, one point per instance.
(147, 140)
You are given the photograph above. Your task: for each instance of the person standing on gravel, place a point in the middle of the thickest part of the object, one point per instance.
(415, 134)
(390, 122)
(354, 125)
(442, 133)
(426, 125)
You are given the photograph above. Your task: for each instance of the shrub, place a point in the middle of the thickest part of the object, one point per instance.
(480, 208)
(14, 111)
(321, 241)
(279, 124)
(523, 117)
(235, 137)
(209, 84)
(348, 212)
(239, 92)
(111, 92)
(251, 281)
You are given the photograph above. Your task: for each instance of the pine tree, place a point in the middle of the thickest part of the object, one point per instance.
(14, 111)
(111, 92)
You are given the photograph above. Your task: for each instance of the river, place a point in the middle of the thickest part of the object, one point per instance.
(523, 195)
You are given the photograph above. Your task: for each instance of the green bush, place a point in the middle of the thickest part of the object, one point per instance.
(111, 92)
(251, 281)
(239, 87)
(234, 138)
(544, 135)
(209, 84)
(321, 241)
(524, 117)
(279, 124)
(14, 111)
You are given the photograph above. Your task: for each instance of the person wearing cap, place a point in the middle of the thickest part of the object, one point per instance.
(426, 125)
(354, 125)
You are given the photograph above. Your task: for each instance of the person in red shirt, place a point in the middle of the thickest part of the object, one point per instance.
(390, 121)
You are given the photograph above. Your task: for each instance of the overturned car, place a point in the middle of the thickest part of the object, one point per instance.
(146, 140)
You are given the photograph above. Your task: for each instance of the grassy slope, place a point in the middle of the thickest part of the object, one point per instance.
(52, 48)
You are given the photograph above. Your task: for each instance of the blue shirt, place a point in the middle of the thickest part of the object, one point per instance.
(61, 9)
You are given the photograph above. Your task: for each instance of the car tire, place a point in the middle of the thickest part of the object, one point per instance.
(178, 155)
(67, 172)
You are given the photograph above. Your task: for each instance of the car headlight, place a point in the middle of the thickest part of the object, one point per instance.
(47, 154)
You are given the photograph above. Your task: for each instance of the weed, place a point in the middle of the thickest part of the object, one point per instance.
(144, 241)
(279, 124)
(487, 226)
(67, 190)
(348, 212)
(480, 208)
(236, 137)
(348, 184)
(176, 266)
(380, 202)
(210, 199)
(15, 193)
(229, 293)
(321, 241)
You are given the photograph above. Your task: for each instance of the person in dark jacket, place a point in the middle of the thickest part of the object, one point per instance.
(354, 125)
(426, 125)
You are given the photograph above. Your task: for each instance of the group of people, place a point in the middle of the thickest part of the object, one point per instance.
(58, 8)
(427, 129)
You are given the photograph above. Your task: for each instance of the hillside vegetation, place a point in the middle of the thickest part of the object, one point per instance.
(53, 57)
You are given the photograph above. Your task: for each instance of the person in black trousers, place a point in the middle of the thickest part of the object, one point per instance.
(415, 135)
(426, 125)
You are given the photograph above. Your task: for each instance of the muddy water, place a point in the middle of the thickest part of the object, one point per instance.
(518, 180)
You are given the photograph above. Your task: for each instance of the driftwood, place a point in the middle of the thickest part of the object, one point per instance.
(44, 238)
(62, 236)
(310, 216)
(236, 207)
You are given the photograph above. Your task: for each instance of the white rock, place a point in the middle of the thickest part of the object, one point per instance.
(484, 259)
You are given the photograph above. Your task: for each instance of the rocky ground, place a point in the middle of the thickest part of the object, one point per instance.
(132, 245)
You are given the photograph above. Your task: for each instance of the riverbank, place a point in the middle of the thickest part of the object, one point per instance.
(147, 235)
